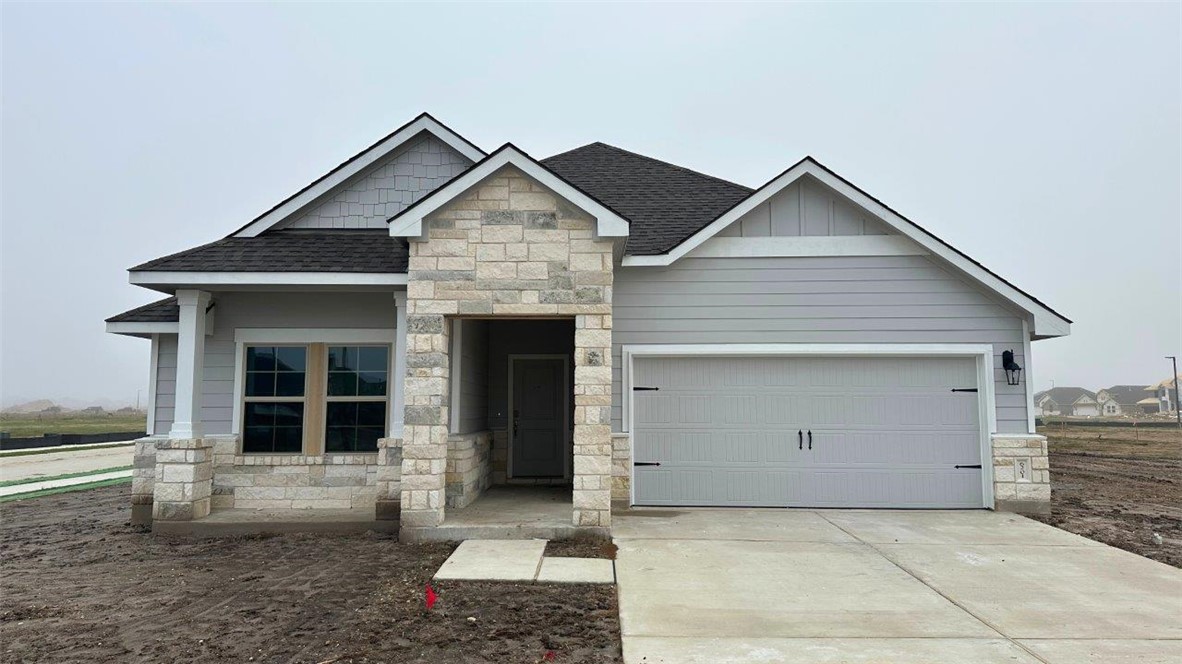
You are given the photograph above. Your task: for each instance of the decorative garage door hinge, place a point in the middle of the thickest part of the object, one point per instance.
(645, 389)
(975, 465)
(646, 463)
(964, 389)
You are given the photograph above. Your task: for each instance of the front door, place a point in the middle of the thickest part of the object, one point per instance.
(538, 417)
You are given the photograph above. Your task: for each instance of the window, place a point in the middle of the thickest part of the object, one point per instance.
(273, 409)
(358, 381)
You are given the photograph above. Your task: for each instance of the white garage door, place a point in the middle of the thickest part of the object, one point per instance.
(735, 431)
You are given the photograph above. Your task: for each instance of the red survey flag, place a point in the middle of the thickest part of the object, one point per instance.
(431, 597)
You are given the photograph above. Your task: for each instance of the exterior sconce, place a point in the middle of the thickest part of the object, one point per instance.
(1013, 370)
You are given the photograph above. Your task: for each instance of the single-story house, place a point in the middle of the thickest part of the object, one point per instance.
(1122, 400)
(427, 320)
(1071, 401)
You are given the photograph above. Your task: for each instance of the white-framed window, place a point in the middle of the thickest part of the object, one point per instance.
(313, 398)
(358, 389)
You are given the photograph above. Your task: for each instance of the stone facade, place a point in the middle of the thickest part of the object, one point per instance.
(621, 466)
(388, 506)
(508, 248)
(469, 467)
(1021, 473)
(184, 479)
(143, 480)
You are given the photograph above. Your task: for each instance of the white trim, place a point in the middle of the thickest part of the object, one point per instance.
(359, 164)
(398, 382)
(203, 279)
(153, 376)
(777, 247)
(190, 364)
(566, 401)
(410, 223)
(1046, 322)
(1028, 376)
(981, 353)
(133, 328)
(239, 391)
(457, 351)
(305, 335)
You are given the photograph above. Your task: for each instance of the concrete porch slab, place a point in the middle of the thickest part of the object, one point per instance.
(1094, 651)
(577, 570)
(494, 560)
(662, 650)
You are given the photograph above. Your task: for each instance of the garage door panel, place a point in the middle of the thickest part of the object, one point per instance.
(887, 432)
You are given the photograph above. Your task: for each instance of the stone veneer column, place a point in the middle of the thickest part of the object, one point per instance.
(388, 506)
(143, 479)
(1021, 473)
(184, 479)
(509, 248)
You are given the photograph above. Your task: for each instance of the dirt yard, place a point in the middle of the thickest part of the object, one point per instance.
(77, 584)
(1119, 486)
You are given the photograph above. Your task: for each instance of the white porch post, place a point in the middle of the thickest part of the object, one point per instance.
(190, 359)
(398, 382)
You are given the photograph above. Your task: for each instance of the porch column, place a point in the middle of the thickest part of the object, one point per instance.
(424, 448)
(190, 360)
(184, 471)
(398, 408)
(593, 406)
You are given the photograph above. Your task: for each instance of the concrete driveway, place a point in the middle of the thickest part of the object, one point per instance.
(885, 586)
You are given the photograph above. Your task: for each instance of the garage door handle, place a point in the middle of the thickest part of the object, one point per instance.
(800, 438)
(810, 439)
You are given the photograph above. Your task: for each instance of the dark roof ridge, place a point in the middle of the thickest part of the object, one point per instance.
(654, 160)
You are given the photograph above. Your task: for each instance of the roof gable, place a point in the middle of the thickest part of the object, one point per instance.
(357, 165)
(1047, 321)
(409, 222)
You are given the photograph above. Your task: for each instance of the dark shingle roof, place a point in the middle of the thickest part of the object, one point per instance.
(291, 251)
(664, 203)
(1126, 395)
(1065, 396)
(160, 311)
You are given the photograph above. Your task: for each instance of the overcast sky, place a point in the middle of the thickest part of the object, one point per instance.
(1041, 140)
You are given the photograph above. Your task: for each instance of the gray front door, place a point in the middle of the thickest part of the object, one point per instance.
(885, 432)
(539, 409)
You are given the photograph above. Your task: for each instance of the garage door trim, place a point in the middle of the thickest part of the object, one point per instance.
(982, 353)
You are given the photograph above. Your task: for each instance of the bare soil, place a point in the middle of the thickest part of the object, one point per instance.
(78, 584)
(1119, 486)
(581, 547)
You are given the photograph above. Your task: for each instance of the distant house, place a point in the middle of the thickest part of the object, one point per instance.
(1163, 395)
(1123, 400)
(93, 410)
(1073, 401)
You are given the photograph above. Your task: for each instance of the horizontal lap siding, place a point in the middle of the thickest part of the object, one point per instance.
(881, 299)
(258, 310)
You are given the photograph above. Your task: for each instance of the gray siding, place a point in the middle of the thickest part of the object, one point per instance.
(806, 207)
(258, 310)
(388, 187)
(884, 299)
(473, 383)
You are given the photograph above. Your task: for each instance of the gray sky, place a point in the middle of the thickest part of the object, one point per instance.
(1042, 140)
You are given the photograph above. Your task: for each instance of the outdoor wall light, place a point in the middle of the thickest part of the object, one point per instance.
(1013, 370)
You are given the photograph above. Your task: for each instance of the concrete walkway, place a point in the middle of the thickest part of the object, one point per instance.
(521, 561)
(64, 460)
(885, 586)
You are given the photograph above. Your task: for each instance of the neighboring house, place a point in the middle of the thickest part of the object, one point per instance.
(1071, 401)
(1122, 400)
(1164, 395)
(427, 320)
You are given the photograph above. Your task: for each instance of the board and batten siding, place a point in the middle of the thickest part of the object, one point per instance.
(814, 300)
(806, 208)
(258, 310)
(386, 188)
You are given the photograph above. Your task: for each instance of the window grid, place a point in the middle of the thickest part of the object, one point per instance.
(273, 374)
(349, 368)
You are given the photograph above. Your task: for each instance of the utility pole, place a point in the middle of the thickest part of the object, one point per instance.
(1177, 407)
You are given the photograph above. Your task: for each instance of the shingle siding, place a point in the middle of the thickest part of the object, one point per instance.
(386, 189)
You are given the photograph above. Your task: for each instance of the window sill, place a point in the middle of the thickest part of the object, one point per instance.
(329, 459)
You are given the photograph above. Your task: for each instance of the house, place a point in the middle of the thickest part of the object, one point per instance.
(1070, 401)
(1164, 395)
(428, 321)
(1122, 400)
